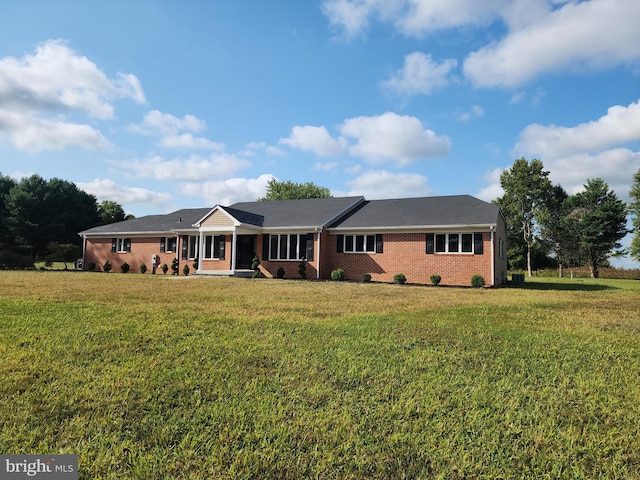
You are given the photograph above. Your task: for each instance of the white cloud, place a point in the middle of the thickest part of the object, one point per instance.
(493, 190)
(475, 111)
(229, 191)
(196, 167)
(420, 75)
(325, 166)
(394, 137)
(316, 140)
(187, 141)
(255, 147)
(38, 90)
(105, 189)
(620, 125)
(352, 16)
(376, 184)
(586, 35)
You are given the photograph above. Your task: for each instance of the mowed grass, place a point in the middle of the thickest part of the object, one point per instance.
(155, 377)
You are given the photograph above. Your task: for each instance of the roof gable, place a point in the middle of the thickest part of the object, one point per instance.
(170, 222)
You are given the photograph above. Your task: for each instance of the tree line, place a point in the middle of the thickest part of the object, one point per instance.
(546, 226)
(40, 219)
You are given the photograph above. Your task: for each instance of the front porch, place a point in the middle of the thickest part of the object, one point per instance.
(242, 273)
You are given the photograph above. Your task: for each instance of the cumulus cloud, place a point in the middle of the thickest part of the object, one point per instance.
(254, 147)
(476, 111)
(619, 125)
(376, 184)
(229, 191)
(174, 132)
(196, 167)
(316, 140)
(106, 189)
(39, 89)
(584, 35)
(420, 75)
(394, 137)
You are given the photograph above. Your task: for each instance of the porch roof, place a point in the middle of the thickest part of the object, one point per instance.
(179, 220)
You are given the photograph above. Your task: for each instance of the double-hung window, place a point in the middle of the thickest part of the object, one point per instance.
(370, 243)
(291, 246)
(214, 246)
(168, 244)
(454, 243)
(120, 245)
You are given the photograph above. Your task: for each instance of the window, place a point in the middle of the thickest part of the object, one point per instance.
(360, 243)
(290, 246)
(188, 246)
(121, 245)
(214, 246)
(454, 243)
(168, 244)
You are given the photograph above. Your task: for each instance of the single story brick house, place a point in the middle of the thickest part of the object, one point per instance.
(455, 237)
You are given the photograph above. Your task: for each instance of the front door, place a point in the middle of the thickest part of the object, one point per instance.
(246, 250)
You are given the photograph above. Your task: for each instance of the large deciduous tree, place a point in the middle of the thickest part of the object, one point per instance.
(598, 222)
(526, 187)
(634, 209)
(288, 190)
(111, 212)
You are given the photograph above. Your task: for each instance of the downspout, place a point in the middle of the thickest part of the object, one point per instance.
(84, 250)
(493, 254)
(178, 252)
(319, 230)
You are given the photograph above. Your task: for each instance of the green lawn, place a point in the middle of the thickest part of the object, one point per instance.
(157, 377)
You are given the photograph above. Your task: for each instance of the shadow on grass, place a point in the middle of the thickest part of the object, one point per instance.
(577, 286)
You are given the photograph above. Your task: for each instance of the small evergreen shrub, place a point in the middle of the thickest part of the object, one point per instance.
(195, 263)
(185, 270)
(255, 266)
(477, 281)
(143, 268)
(164, 268)
(125, 267)
(91, 266)
(280, 273)
(107, 266)
(302, 268)
(435, 279)
(337, 275)
(399, 279)
(366, 278)
(174, 266)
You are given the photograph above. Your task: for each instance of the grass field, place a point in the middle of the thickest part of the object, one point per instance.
(154, 377)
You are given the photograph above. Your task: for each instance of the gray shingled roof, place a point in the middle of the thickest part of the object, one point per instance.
(456, 211)
(178, 220)
(311, 212)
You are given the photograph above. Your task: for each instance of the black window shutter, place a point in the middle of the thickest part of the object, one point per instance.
(185, 246)
(309, 254)
(340, 244)
(162, 244)
(127, 245)
(114, 244)
(265, 246)
(431, 242)
(478, 244)
(378, 243)
(222, 241)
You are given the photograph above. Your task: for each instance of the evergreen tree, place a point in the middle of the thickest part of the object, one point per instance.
(634, 209)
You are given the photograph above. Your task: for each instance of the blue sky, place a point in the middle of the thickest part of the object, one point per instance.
(161, 105)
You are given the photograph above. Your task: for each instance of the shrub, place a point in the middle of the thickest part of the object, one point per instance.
(435, 279)
(91, 266)
(366, 278)
(255, 266)
(143, 268)
(477, 281)
(280, 273)
(107, 266)
(337, 275)
(195, 263)
(399, 279)
(185, 270)
(14, 261)
(164, 268)
(125, 267)
(302, 268)
(174, 266)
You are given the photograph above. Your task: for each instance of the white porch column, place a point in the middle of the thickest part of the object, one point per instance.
(200, 250)
(233, 251)
(493, 259)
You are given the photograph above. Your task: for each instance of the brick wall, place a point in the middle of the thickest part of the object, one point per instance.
(405, 253)
(270, 268)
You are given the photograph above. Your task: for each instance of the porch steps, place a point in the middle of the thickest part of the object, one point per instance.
(224, 273)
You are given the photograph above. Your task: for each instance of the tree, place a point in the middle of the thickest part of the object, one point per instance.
(634, 209)
(65, 252)
(597, 220)
(6, 239)
(293, 191)
(41, 211)
(526, 187)
(555, 231)
(110, 212)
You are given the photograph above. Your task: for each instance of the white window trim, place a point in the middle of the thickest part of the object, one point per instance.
(446, 244)
(213, 247)
(299, 254)
(365, 244)
(121, 244)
